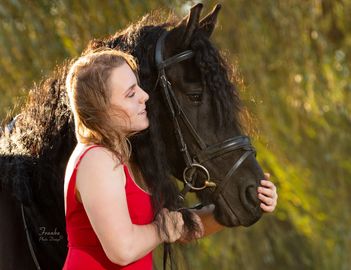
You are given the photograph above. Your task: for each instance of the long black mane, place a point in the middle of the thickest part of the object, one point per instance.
(33, 157)
(33, 151)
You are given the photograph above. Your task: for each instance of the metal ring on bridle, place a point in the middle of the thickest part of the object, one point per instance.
(207, 181)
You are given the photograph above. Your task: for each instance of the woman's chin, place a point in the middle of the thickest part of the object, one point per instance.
(141, 127)
(146, 124)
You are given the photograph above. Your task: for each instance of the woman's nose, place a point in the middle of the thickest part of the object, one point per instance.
(144, 96)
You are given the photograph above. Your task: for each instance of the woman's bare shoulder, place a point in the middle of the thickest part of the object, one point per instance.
(99, 168)
(98, 157)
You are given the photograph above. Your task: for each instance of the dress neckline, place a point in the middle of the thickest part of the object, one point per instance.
(144, 191)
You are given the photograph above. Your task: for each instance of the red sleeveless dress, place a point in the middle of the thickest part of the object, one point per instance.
(84, 249)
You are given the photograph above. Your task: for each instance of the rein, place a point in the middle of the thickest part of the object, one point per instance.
(31, 249)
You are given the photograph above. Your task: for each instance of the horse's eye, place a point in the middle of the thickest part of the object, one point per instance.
(196, 98)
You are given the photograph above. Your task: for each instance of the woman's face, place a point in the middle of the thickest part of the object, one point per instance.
(128, 97)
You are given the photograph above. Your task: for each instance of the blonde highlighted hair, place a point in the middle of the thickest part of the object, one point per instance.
(89, 95)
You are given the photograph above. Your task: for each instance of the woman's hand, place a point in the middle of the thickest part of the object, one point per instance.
(267, 193)
(171, 225)
(186, 236)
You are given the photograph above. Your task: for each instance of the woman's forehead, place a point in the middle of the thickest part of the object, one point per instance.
(122, 78)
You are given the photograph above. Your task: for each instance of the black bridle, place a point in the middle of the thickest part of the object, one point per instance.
(195, 162)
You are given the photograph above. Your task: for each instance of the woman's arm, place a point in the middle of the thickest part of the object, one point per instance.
(102, 191)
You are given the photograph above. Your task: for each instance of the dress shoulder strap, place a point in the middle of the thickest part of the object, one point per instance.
(85, 151)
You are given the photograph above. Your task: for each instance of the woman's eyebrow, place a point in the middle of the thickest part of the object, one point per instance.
(132, 86)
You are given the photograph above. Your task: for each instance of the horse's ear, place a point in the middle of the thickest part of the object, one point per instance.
(191, 23)
(208, 23)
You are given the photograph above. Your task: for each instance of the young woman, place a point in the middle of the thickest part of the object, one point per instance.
(109, 218)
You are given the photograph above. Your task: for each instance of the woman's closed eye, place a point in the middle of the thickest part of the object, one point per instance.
(131, 91)
(131, 94)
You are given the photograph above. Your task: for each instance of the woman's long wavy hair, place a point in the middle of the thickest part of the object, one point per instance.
(89, 93)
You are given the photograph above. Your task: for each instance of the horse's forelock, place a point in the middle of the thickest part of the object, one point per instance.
(219, 79)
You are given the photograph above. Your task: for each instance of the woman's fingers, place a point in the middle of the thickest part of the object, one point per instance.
(266, 200)
(267, 208)
(178, 223)
(187, 236)
(172, 223)
(267, 184)
(266, 191)
(200, 233)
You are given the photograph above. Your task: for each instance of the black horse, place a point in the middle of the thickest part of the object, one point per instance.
(195, 135)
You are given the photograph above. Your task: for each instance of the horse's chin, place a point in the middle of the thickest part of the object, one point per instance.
(226, 219)
(252, 220)
(232, 218)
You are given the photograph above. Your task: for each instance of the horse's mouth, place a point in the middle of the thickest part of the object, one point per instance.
(229, 218)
